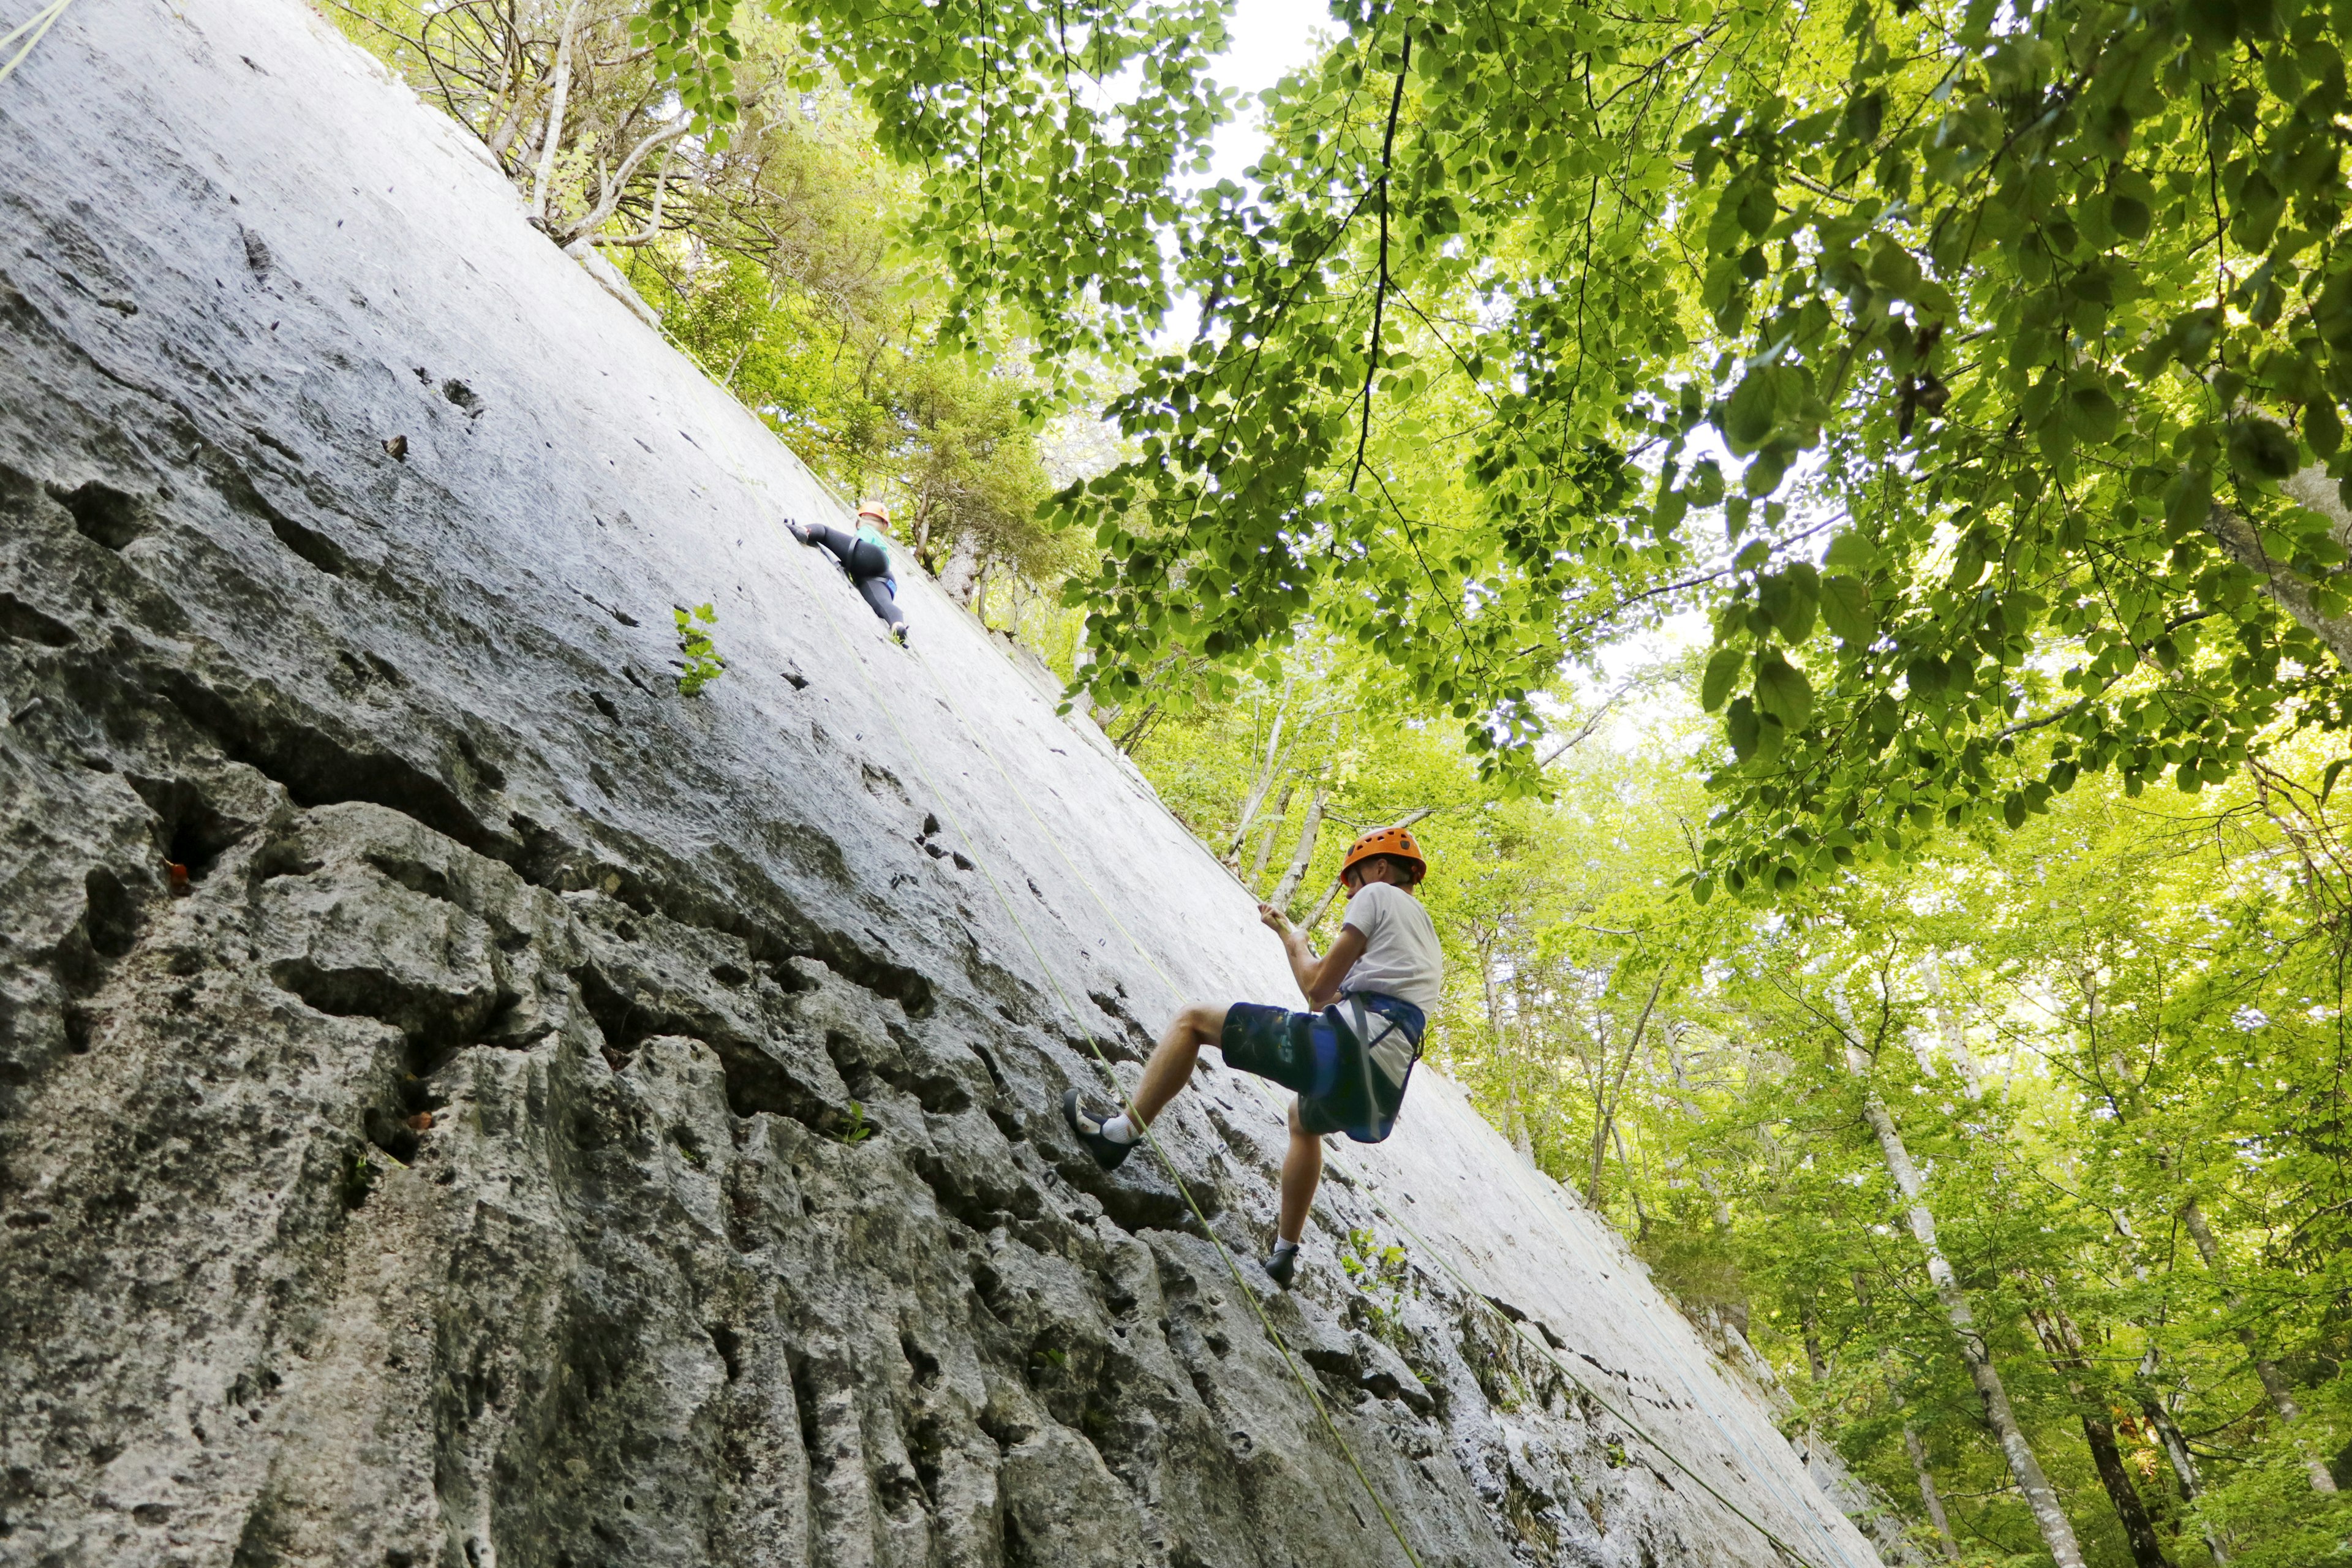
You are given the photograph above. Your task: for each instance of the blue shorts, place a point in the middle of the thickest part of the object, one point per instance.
(1313, 1054)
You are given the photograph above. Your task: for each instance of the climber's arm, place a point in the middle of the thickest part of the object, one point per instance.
(1318, 978)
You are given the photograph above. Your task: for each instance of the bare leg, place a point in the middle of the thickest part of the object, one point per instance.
(1195, 1025)
(1302, 1170)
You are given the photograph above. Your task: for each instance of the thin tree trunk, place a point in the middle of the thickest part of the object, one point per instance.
(2274, 1382)
(1608, 1092)
(2049, 1515)
(1303, 856)
(2068, 1360)
(554, 141)
(1955, 1039)
(1632, 1189)
(1930, 1497)
(1266, 775)
(1514, 1124)
(1272, 829)
(2184, 1464)
(1706, 1181)
(1810, 1325)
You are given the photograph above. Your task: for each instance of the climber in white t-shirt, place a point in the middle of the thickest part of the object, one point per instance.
(1348, 1061)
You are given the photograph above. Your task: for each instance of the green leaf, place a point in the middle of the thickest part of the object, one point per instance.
(1788, 599)
(1722, 669)
(1739, 726)
(1846, 607)
(1748, 416)
(1850, 551)
(2323, 428)
(1783, 692)
(2262, 449)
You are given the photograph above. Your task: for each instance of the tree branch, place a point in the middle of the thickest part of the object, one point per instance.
(1381, 289)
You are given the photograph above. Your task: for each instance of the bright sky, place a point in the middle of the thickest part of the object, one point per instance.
(1270, 37)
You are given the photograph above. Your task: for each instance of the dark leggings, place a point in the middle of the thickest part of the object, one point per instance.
(867, 567)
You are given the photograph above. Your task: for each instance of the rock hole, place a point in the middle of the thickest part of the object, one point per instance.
(922, 1363)
(464, 397)
(102, 513)
(111, 915)
(258, 259)
(78, 1028)
(22, 623)
(730, 1346)
(605, 705)
(804, 1402)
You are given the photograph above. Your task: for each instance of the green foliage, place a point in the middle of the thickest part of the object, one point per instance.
(854, 1128)
(356, 1180)
(1384, 1282)
(701, 665)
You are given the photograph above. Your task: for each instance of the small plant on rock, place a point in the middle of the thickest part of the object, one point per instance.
(702, 664)
(1382, 1275)
(855, 1128)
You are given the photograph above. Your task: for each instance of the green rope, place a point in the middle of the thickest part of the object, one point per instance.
(1174, 1174)
(1362, 1185)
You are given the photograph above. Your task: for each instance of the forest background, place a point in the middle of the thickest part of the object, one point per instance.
(1458, 464)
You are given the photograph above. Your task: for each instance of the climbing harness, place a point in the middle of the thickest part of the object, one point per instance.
(1381, 1056)
(1804, 1515)
(38, 24)
(1289, 1360)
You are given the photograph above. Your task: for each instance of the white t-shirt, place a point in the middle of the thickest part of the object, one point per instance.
(1402, 958)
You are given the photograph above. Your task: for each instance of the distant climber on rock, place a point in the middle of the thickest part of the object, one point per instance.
(865, 556)
(1348, 1061)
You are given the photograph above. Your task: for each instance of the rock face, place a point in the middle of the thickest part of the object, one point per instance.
(464, 1103)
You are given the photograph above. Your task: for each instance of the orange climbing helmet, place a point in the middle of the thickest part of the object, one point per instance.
(1396, 841)
(874, 509)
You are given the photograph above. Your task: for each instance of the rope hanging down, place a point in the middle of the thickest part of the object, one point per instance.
(38, 24)
(1804, 1515)
(1103, 1061)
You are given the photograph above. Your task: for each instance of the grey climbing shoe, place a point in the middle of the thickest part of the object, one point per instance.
(899, 631)
(798, 531)
(1108, 1152)
(1282, 1263)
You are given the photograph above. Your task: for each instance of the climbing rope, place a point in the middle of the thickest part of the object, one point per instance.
(1804, 1515)
(38, 24)
(1241, 1282)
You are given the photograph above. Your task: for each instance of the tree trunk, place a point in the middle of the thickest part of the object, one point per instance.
(1929, 1497)
(2049, 1515)
(1303, 856)
(1955, 1039)
(1265, 840)
(1516, 1123)
(1812, 1333)
(2071, 1363)
(2242, 544)
(552, 141)
(2273, 1382)
(1265, 773)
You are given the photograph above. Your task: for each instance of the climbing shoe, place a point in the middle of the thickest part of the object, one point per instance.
(899, 631)
(797, 530)
(1108, 1152)
(1282, 1263)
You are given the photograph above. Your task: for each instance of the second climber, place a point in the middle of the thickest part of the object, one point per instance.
(865, 556)
(1348, 1062)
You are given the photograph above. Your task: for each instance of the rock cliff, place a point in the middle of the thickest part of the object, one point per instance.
(463, 1103)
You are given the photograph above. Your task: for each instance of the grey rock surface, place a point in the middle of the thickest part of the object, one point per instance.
(559, 1123)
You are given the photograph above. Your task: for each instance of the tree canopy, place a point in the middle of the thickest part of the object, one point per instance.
(1975, 368)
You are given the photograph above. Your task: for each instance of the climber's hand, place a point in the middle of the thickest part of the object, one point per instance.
(1276, 920)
